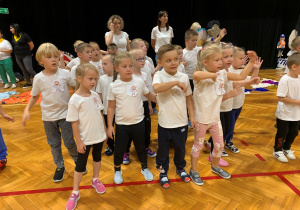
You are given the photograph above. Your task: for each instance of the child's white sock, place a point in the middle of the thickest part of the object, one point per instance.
(75, 192)
(94, 179)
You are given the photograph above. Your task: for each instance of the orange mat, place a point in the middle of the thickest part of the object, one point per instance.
(22, 98)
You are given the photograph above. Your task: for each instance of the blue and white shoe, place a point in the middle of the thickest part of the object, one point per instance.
(147, 174)
(118, 177)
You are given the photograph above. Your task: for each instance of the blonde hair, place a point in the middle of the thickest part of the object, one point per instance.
(76, 43)
(95, 44)
(82, 69)
(111, 57)
(195, 26)
(112, 18)
(237, 50)
(177, 47)
(46, 49)
(293, 59)
(134, 43)
(296, 43)
(80, 48)
(164, 49)
(225, 46)
(147, 44)
(118, 58)
(205, 53)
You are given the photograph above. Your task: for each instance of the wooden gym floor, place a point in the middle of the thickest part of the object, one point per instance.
(258, 180)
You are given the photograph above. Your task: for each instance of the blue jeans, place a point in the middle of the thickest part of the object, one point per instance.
(234, 114)
(3, 149)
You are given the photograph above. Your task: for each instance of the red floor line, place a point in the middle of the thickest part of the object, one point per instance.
(279, 174)
(260, 157)
(244, 143)
(289, 184)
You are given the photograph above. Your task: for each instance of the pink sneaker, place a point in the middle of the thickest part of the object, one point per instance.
(222, 162)
(72, 202)
(98, 186)
(207, 145)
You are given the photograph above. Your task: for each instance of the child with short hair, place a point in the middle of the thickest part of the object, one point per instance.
(147, 57)
(96, 57)
(181, 67)
(112, 48)
(125, 96)
(54, 84)
(102, 89)
(3, 149)
(84, 52)
(84, 112)
(76, 60)
(174, 97)
(288, 110)
(190, 53)
(208, 93)
(296, 49)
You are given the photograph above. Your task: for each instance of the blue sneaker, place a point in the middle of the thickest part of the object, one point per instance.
(190, 124)
(118, 179)
(108, 151)
(154, 111)
(150, 153)
(126, 158)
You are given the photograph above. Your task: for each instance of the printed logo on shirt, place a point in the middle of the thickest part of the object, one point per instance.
(219, 84)
(57, 86)
(97, 105)
(131, 90)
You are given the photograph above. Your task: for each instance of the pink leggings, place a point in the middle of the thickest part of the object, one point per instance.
(215, 130)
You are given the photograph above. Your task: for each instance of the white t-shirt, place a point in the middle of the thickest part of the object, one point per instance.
(150, 60)
(181, 68)
(238, 101)
(55, 93)
(102, 87)
(73, 72)
(120, 40)
(172, 103)
(87, 110)
(147, 81)
(99, 67)
(149, 70)
(206, 100)
(5, 45)
(129, 103)
(291, 52)
(288, 87)
(190, 57)
(73, 62)
(226, 106)
(161, 37)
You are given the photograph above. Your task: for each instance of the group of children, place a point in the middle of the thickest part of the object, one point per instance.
(112, 101)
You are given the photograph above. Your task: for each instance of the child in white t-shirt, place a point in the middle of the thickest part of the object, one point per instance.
(54, 84)
(84, 52)
(181, 67)
(96, 57)
(174, 97)
(190, 53)
(102, 89)
(125, 96)
(238, 101)
(208, 93)
(288, 110)
(76, 60)
(84, 112)
(296, 48)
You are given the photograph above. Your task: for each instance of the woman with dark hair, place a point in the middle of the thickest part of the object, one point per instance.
(294, 33)
(6, 64)
(22, 49)
(162, 33)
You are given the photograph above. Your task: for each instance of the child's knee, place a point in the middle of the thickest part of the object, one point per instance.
(197, 147)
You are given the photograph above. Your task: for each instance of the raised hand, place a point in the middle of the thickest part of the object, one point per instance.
(252, 56)
(258, 63)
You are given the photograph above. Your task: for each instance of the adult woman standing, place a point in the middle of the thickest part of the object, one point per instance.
(22, 49)
(6, 64)
(116, 24)
(162, 33)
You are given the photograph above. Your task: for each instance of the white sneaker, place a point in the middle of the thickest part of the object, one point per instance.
(13, 86)
(280, 156)
(118, 177)
(6, 86)
(147, 174)
(289, 154)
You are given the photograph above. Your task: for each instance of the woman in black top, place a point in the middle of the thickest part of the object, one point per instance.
(23, 45)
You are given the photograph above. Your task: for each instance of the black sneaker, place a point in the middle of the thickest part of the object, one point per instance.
(59, 174)
(109, 151)
(164, 181)
(232, 148)
(183, 175)
(27, 86)
(85, 171)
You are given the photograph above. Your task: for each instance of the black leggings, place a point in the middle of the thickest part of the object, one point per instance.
(82, 158)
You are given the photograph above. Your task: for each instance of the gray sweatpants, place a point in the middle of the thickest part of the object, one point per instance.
(54, 131)
(25, 64)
